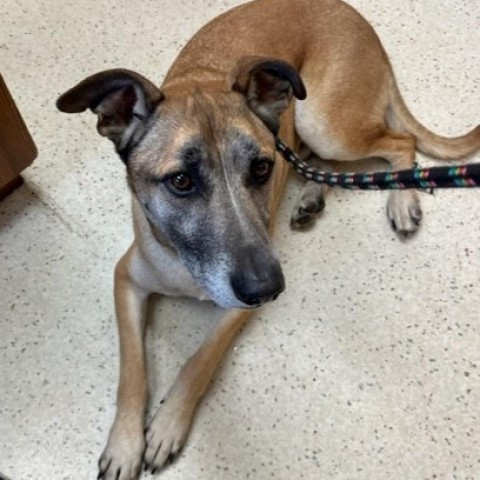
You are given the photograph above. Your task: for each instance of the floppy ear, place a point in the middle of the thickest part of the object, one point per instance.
(122, 100)
(268, 86)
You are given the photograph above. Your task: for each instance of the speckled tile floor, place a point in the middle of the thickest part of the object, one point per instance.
(368, 367)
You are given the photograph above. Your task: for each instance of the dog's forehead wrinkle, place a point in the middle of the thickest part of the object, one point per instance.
(220, 122)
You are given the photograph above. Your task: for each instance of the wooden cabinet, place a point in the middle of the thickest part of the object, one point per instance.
(17, 150)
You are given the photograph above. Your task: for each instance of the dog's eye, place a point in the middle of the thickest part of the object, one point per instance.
(260, 170)
(181, 182)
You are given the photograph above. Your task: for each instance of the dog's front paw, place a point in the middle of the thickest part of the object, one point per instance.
(403, 211)
(166, 434)
(122, 457)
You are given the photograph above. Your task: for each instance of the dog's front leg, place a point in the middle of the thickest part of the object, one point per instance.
(122, 457)
(169, 427)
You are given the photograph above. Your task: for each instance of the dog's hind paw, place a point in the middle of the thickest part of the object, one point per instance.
(403, 211)
(122, 457)
(166, 435)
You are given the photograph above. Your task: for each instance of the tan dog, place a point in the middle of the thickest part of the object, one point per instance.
(206, 181)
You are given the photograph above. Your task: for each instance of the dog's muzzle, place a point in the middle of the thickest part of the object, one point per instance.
(258, 277)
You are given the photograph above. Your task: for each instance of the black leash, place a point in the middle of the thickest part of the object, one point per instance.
(435, 177)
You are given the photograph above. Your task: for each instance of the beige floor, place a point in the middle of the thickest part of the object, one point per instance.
(368, 367)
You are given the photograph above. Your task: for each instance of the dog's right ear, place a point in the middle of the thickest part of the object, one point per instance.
(122, 100)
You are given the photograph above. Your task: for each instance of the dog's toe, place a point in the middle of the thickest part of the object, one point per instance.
(404, 212)
(113, 470)
(122, 457)
(166, 435)
(161, 451)
(305, 212)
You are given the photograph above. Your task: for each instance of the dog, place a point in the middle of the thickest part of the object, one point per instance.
(206, 180)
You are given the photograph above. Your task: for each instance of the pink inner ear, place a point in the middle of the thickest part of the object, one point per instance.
(117, 107)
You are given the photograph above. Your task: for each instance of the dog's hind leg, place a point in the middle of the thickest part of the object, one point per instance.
(364, 137)
(168, 429)
(403, 206)
(122, 457)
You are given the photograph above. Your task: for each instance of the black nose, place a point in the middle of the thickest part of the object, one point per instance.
(258, 277)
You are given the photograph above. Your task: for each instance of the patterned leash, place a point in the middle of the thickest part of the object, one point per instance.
(434, 177)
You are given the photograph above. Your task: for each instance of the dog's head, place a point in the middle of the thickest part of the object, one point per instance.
(200, 162)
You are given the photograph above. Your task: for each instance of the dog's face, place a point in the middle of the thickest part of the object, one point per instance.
(202, 174)
(201, 166)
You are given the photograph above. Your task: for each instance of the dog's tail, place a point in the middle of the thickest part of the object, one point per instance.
(427, 141)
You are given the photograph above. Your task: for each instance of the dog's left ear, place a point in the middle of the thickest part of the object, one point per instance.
(268, 86)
